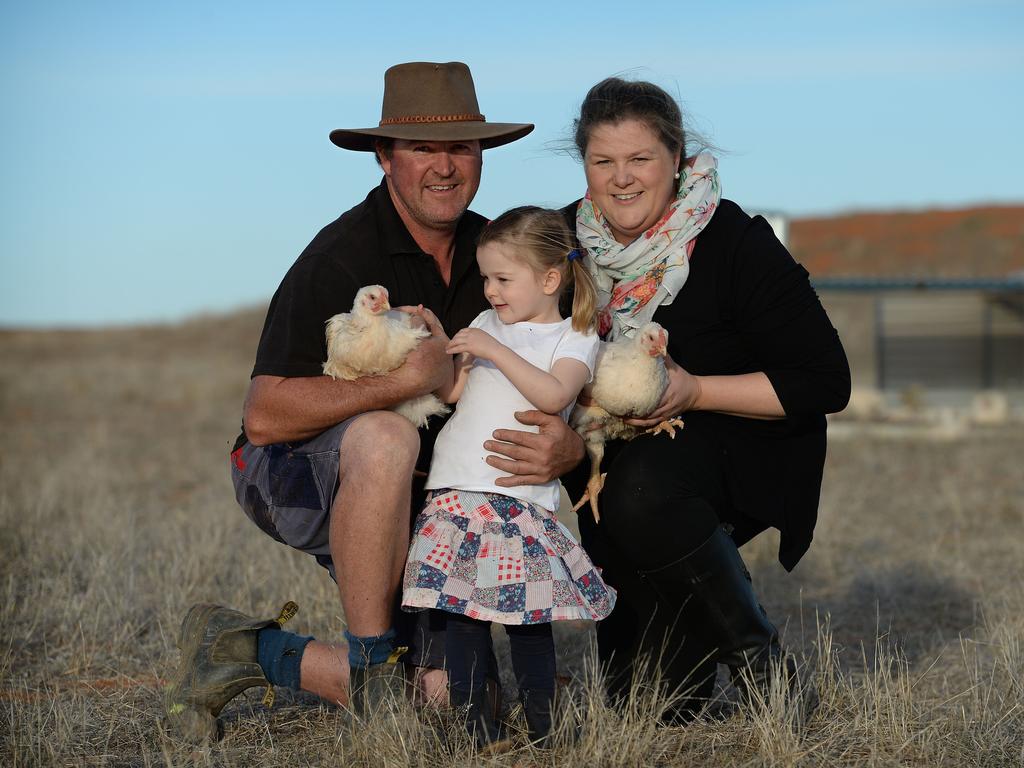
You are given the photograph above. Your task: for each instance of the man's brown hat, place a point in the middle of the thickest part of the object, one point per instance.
(424, 101)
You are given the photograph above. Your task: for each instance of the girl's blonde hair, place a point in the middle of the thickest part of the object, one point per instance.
(541, 239)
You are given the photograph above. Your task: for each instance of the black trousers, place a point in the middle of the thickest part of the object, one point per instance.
(661, 500)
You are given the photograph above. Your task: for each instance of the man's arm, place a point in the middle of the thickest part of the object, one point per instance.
(279, 409)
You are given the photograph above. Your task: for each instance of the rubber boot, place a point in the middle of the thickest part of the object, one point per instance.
(218, 662)
(537, 709)
(715, 577)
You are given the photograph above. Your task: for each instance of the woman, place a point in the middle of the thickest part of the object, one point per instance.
(754, 367)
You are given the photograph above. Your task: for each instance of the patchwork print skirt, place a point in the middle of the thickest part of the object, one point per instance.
(495, 558)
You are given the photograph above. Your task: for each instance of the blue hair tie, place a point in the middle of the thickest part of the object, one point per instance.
(574, 254)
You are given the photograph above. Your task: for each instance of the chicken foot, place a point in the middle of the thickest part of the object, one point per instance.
(596, 481)
(668, 426)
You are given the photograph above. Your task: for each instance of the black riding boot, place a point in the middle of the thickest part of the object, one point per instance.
(715, 578)
(537, 709)
(480, 722)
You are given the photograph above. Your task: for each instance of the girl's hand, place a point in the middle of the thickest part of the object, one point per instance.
(476, 342)
(680, 395)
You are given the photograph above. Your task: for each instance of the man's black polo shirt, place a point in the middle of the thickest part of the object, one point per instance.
(366, 245)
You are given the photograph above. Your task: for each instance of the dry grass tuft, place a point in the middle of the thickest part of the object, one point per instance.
(116, 513)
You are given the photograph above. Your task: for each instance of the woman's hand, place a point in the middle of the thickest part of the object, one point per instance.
(476, 342)
(680, 395)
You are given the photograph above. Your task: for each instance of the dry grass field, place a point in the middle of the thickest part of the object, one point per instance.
(116, 513)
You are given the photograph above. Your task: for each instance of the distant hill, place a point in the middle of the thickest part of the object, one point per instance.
(984, 242)
(232, 333)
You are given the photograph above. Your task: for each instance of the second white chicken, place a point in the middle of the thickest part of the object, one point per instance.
(629, 381)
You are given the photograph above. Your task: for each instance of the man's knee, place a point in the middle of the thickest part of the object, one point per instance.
(380, 439)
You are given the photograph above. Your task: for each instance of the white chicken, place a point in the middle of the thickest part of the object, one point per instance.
(629, 380)
(374, 339)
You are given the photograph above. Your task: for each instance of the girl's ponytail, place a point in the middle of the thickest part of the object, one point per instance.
(584, 297)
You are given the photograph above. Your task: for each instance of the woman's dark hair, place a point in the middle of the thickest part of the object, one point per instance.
(614, 100)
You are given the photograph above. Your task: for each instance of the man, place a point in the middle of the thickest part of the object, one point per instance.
(320, 465)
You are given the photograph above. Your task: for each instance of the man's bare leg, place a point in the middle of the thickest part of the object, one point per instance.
(369, 539)
(369, 536)
(324, 671)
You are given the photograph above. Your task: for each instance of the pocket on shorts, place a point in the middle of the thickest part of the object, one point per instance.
(301, 490)
(301, 480)
(293, 482)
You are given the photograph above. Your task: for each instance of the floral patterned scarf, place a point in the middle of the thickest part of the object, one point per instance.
(634, 280)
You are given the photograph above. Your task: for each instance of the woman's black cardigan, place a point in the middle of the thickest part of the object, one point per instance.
(748, 306)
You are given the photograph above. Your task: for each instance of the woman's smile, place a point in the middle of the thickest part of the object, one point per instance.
(630, 176)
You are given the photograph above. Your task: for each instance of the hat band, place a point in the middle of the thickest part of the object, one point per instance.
(466, 118)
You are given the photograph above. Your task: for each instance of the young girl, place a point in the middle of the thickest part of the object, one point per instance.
(486, 553)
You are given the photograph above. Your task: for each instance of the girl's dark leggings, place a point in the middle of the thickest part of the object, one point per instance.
(468, 653)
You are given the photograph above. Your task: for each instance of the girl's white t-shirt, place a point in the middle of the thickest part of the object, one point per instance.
(489, 401)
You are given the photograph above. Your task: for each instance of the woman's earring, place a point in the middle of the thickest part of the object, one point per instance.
(677, 174)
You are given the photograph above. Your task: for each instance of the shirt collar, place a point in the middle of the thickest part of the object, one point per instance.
(394, 238)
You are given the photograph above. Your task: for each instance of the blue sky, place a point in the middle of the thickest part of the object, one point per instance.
(165, 159)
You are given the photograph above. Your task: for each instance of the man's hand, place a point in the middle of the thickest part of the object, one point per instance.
(428, 365)
(421, 317)
(534, 458)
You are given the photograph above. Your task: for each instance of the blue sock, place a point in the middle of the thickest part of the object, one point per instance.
(280, 655)
(374, 649)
